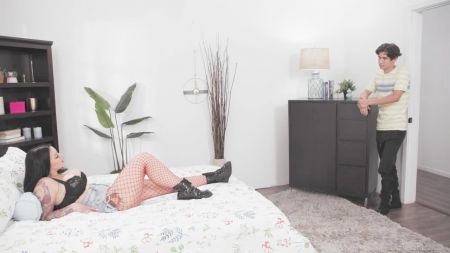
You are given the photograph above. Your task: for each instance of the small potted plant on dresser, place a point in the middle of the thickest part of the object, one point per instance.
(346, 87)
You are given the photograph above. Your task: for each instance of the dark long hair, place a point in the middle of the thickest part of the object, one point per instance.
(37, 166)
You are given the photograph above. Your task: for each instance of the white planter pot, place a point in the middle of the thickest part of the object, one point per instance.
(218, 162)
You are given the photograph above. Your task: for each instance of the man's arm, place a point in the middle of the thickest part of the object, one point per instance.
(392, 98)
(365, 94)
(364, 102)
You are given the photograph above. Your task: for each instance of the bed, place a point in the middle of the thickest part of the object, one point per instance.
(235, 219)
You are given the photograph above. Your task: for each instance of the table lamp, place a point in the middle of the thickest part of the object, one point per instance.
(315, 59)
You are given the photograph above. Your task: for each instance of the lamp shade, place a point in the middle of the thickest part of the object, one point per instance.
(314, 58)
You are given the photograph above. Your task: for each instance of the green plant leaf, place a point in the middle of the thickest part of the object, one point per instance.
(103, 103)
(125, 99)
(135, 121)
(103, 117)
(136, 135)
(98, 132)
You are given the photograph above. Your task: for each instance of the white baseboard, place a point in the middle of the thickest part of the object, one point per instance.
(434, 171)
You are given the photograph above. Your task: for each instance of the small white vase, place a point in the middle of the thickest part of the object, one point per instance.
(219, 162)
(11, 77)
(11, 80)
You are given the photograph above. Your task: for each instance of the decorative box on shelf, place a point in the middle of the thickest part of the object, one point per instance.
(16, 107)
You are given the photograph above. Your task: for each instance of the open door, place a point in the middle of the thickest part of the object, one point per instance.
(409, 158)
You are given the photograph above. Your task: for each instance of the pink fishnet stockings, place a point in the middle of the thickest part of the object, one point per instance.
(130, 188)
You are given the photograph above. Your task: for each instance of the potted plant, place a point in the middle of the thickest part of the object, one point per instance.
(345, 87)
(219, 95)
(119, 142)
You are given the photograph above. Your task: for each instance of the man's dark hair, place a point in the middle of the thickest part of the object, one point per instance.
(37, 166)
(392, 50)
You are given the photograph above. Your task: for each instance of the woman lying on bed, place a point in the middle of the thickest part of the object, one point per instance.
(62, 191)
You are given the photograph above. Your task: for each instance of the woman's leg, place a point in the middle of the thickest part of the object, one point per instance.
(151, 189)
(129, 189)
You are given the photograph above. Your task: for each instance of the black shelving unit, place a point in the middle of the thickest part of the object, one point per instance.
(16, 55)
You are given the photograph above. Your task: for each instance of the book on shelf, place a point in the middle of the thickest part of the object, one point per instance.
(10, 137)
(10, 133)
(20, 138)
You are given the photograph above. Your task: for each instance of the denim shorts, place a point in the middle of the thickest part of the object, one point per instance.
(96, 198)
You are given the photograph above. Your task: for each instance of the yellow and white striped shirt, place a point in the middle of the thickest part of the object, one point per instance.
(393, 116)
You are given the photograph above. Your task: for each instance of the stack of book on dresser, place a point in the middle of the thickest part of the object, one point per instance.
(9, 136)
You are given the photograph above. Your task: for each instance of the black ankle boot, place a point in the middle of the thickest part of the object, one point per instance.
(186, 191)
(220, 175)
(384, 205)
(395, 201)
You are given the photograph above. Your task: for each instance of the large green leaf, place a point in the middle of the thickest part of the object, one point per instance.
(98, 132)
(138, 134)
(135, 121)
(125, 99)
(103, 117)
(97, 98)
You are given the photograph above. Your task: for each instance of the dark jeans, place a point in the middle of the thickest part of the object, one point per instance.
(388, 144)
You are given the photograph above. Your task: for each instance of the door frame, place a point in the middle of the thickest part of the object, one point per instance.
(410, 151)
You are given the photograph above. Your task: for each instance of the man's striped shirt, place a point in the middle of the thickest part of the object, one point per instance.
(393, 116)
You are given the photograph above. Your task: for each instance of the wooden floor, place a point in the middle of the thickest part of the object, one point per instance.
(433, 191)
(416, 217)
(425, 221)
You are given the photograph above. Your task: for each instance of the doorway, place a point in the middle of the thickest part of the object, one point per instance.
(433, 175)
(410, 154)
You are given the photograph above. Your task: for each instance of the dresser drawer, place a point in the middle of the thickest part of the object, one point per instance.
(351, 181)
(349, 111)
(351, 153)
(352, 130)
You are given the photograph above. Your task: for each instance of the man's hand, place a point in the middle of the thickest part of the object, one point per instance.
(364, 112)
(363, 105)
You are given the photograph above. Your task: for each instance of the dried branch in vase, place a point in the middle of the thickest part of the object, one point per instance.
(219, 93)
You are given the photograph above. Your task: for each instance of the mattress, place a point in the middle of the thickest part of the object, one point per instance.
(235, 219)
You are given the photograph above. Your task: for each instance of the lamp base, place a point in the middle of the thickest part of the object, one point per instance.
(315, 86)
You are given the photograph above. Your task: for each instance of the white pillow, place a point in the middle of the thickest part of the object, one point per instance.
(28, 207)
(8, 196)
(12, 166)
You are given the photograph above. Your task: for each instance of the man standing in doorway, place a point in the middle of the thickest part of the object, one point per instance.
(390, 91)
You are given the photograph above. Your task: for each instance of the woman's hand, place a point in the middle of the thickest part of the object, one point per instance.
(81, 208)
(74, 207)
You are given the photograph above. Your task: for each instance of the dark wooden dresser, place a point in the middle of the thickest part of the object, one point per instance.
(332, 147)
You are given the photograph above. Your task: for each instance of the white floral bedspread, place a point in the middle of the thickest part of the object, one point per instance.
(235, 219)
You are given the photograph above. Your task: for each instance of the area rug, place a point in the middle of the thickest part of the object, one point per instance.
(334, 224)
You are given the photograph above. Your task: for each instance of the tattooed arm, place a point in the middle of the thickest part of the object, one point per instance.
(46, 191)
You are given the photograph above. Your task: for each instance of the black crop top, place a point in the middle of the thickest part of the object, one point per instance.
(74, 186)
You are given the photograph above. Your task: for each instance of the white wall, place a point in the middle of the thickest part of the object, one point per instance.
(434, 134)
(108, 45)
